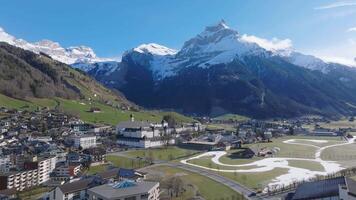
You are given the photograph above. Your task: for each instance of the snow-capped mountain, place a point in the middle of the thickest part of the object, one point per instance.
(221, 71)
(217, 44)
(218, 71)
(71, 55)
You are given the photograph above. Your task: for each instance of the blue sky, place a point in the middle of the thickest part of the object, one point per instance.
(320, 27)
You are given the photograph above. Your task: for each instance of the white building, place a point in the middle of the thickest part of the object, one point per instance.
(45, 167)
(142, 134)
(19, 180)
(84, 141)
(35, 172)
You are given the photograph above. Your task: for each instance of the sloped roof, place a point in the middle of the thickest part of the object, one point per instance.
(133, 124)
(319, 189)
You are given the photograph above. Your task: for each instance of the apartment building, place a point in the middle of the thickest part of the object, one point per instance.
(84, 141)
(34, 172)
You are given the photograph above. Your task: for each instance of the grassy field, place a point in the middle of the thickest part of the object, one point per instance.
(80, 108)
(204, 186)
(228, 127)
(33, 193)
(256, 181)
(341, 153)
(96, 169)
(117, 161)
(170, 153)
(14, 103)
(233, 117)
(342, 123)
(207, 162)
(311, 165)
(111, 115)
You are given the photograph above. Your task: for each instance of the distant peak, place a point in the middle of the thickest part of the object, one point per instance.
(217, 27)
(154, 49)
(48, 43)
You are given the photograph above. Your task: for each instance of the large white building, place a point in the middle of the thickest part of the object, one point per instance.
(84, 141)
(143, 134)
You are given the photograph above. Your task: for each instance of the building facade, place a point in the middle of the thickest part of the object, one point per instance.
(84, 141)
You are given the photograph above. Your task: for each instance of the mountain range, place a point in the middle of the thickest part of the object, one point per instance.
(216, 72)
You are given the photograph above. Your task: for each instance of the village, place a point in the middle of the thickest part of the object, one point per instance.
(47, 154)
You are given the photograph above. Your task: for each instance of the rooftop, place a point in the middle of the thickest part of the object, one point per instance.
(123, 188)
(133, 124)
(319, 189)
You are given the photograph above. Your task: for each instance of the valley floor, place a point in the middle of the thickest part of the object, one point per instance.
(284, 168)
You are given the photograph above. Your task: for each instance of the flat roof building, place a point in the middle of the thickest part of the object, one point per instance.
(125, 190)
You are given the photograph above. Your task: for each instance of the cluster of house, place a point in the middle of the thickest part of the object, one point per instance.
(48, 148)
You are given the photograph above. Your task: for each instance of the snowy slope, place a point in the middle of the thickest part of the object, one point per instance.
(70, 55)
(215, 45)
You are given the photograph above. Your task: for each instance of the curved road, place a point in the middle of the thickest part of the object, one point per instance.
(216, 177)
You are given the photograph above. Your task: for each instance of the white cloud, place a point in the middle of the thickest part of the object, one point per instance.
(272, 45)
(352, 29)
(336, 5)
(343, 53)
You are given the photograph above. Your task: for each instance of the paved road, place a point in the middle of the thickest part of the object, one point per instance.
(216, 177)
(204, 172)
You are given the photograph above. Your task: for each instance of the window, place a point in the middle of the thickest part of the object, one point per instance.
(144, 196)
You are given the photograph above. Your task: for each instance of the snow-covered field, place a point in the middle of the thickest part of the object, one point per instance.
(267, 164)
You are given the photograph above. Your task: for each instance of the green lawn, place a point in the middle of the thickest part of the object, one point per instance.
(206, 162)
(33, 193)
(236, 161)
(207, 188)
(170, 153)
(311, 165)
(80, 108)
(234, 117)
(14, 103)
(340, 153)
(111, 115)
(256, 181)
(118, 161)
(97, 169)
(342, 123)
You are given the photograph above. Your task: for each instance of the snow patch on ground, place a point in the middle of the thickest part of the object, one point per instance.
(268, 164)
